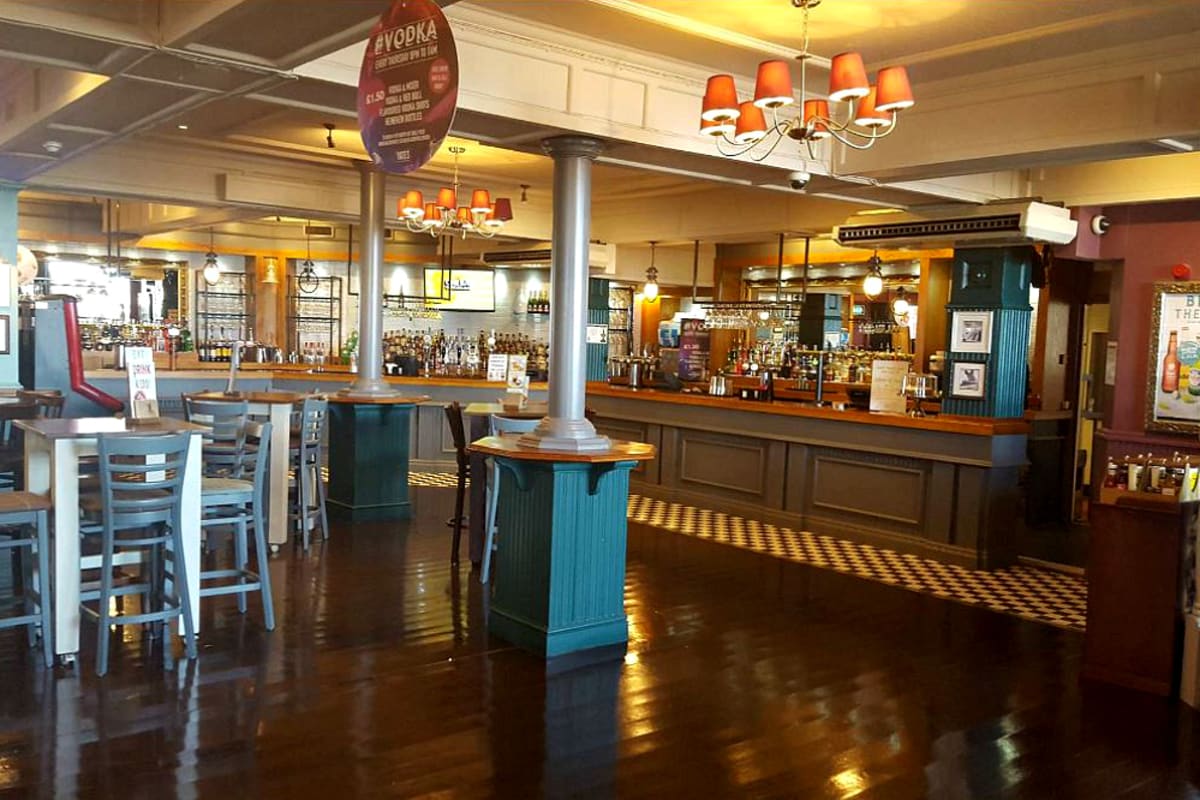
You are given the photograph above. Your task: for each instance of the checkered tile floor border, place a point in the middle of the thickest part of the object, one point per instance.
(1041, 595)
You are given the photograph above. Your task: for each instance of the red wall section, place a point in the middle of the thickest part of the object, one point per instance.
(1149, 239)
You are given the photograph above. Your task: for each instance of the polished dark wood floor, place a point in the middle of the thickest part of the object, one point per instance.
(746, 676)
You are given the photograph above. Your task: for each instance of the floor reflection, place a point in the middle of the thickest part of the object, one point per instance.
(745, 676)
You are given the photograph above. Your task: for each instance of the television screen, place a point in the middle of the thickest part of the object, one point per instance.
(460, 289)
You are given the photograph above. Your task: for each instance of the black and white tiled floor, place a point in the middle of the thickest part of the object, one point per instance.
(1041, 595)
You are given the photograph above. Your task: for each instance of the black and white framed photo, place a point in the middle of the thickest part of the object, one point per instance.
(971, 332)
(967, 379)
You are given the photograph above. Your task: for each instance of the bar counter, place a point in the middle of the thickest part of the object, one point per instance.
(942, 487)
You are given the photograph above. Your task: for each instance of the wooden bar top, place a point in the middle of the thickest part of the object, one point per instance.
(351, 399)
(529, 411)
(970, 426)
(277, 372)
(511, 447)
(252, 397)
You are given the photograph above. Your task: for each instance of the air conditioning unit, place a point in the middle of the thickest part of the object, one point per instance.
(319, 231)
(600, 257)
(991, 225)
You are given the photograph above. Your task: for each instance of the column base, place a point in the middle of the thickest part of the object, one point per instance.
(567, 435)
(560, 566)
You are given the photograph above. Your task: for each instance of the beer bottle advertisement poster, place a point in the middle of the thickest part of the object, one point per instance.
(408, 86)
(1176, 360)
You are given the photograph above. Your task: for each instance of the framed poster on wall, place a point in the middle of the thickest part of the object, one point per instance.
(971, 332)
(1173, 371)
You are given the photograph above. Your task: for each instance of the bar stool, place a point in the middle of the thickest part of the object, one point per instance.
(498, 426)
(225, 437)
(309, 508)
(12, 442)
(25, 517)
(238, 502)
(458, 433)
(139, 506)
(49, 402)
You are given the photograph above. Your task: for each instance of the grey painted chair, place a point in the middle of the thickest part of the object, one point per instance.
(308, 510)
(225, 439)
(24, 518)
(238, 502)
(498, 426)
(12, 442)
(139, 506)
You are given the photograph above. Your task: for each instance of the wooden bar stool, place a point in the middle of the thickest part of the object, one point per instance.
(458, 432)
(24, 517)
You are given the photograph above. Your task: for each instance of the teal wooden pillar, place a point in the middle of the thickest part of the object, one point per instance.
(368, 457)
(560, 566)
(993, 282)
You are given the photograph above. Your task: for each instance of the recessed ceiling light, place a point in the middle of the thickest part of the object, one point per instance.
(182, 127)
(52, 146)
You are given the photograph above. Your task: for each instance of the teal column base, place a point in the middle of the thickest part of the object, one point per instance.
(560, 566)
(368, 461)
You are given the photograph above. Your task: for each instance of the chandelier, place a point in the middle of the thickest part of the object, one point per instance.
(444, 217)
(864, 112)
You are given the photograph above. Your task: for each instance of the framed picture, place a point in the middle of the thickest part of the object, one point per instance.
(5, 335)
(1173, 370)
(967, 379)
(971, 332)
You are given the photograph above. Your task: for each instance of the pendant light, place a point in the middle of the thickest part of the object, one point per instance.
(307, 281)
(212, 270)
(650, 289)
(900, 304)
(873, 283)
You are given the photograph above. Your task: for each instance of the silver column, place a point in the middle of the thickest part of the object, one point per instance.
(373, 184)
(566, 428)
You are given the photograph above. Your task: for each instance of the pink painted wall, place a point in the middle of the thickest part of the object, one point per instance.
(1148, 239)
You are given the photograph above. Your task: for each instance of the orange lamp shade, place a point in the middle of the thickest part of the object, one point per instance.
(847, 77)
(446, 199)
(720, 99)
(774, 85)
(868, 115)
(751, 125)
(432, 214)
(481, 201)
(502, 209)
(814, 112)
(716, 128)
(893, 90)
(411, 205)
(464, 214)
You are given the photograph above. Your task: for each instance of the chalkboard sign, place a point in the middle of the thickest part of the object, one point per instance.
(693, 349)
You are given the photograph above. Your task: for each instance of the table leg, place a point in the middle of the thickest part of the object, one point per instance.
(189, 528)
(277, 510)
(64, 494)
(477, 491)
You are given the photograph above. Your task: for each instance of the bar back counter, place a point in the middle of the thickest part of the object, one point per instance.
(942, 487)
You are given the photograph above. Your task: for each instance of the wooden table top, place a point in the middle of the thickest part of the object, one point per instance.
(530, 411)
(91, 427)
(253, 397)
(347, 397)
(511, 447)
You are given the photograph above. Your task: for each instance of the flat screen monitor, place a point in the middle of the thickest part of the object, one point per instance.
(460, 289)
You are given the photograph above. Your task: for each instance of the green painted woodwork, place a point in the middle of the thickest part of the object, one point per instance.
(560, 564)
(368, 461)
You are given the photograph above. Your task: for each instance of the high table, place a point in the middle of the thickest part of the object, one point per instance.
(477, 414)
(53, 448)
(277, 407)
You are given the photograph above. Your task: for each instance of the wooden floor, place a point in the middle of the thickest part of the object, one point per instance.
(746, 676)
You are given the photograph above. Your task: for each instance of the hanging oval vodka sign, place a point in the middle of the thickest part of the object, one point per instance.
(408, 86)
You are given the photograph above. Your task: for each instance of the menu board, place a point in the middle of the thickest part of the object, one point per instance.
(1175, 365)
(408, 86)
(887, 385)
(693, 349)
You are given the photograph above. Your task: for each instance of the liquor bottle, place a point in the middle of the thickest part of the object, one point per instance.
(1170, 365)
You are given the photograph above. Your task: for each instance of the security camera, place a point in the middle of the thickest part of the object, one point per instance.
(1100, 224)
(798, 180)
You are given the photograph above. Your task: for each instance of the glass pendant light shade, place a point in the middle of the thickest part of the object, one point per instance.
(774, 85)
(212, 270)
(872, 285)
(650, 290)
(900, 304)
